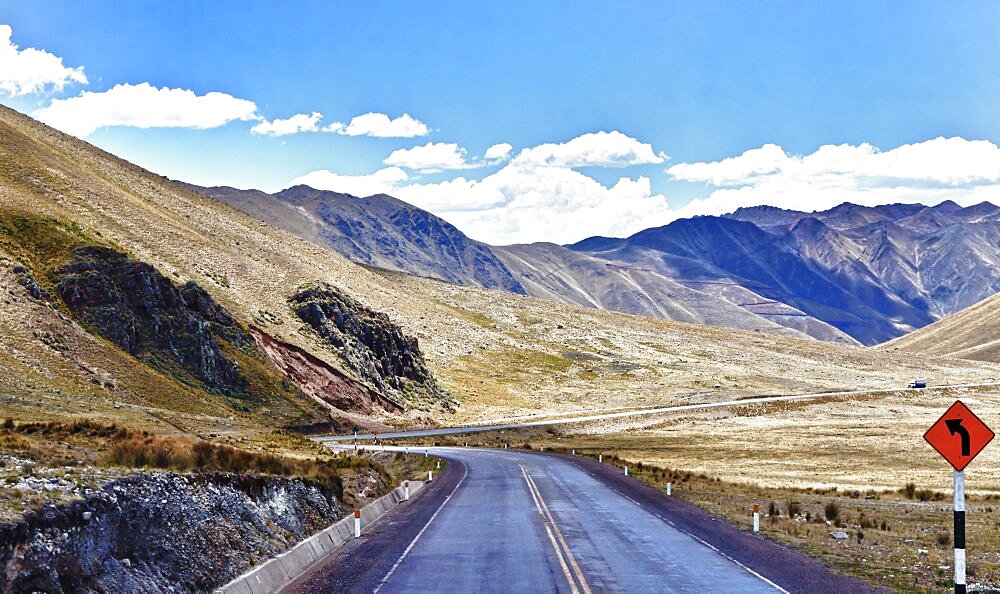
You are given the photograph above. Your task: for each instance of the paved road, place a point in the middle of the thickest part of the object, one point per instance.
(632, 413)
(512, 521)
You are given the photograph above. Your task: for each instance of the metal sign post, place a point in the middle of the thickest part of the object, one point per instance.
(959, 435)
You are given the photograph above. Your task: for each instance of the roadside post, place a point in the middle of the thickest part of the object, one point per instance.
(959, 435)
(406, 490)
(600, 458)
(430, 476)
(756, 517)
(357, 523)
(439, 465)
(427, 453)
(626, 471)
(574, 452)
(669, 488)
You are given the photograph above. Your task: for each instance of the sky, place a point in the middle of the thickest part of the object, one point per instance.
(530, 121)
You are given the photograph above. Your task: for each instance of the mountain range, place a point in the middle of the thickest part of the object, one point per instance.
(852, 274)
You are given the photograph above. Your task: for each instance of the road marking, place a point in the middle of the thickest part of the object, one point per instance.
(709, 545)
(550, 520)
(422, 530)
(552, 540)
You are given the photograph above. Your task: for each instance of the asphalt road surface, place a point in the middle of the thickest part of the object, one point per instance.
(513, 521)
(644, 411)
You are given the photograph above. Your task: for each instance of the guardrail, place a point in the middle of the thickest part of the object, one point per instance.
(282, 570)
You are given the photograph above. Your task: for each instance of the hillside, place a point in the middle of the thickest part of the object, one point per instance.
(973, 333)
(555, 272)
(325, 332)
(376, 230)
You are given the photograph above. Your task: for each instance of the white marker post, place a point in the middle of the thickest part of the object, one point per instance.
(427, 453)
(406, 490)
(626, 471)
(439, 465)
(357, 523)
(756, 517)
(574, 452)
(669, 488)
(430, 475)
(959, 532)
(600, 458)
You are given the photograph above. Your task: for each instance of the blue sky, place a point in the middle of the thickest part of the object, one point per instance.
(687, 84)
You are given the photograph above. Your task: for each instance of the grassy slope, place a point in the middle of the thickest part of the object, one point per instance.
(973, 333)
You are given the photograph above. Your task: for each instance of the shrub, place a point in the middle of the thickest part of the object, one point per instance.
(794, 509)
(943, 539)
(909, 490)
(831, 511)
(772, 510)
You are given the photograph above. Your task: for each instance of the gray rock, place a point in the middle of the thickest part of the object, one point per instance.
(839, 535)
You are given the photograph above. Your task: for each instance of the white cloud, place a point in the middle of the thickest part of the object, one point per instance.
(967, 171)
(595, 149)
(498, 152)
(383, 181)
(527, 199)
(27, 71)
(430, 158)
(380, 125)
(144, 106)
(297, 123)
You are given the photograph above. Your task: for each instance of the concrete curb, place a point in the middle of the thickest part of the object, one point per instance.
(280, 571)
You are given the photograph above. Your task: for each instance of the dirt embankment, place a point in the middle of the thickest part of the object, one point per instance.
(161, 532)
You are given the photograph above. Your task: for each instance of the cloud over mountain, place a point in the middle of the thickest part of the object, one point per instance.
(967, 171)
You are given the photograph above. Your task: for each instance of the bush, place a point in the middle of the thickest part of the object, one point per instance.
(943, 539)
(831, 511)
(909, 490)
(772, 510)
(794, 509)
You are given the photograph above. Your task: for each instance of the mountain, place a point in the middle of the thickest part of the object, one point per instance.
(376, 230)
(850, 274)
(130, 299)
(973, 333)
(874, 273)
(646, 286)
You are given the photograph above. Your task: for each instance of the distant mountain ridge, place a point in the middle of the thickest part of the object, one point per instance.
(850, 274)
(376, 230)
(874, 273)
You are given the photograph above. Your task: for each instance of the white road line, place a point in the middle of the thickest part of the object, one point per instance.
(422, 530)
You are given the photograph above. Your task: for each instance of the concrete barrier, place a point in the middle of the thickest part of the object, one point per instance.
(280, 571)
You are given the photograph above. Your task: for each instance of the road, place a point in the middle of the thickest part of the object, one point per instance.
(632, 413)
(513, 521)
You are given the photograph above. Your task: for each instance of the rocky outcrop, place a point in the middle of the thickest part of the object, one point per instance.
(161, 532)
(369, 344)
(318, 379)
(173, 328)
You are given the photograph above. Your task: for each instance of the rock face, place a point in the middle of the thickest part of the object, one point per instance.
(369, 344)
(376, 230)
(161, 533)
(320, 380)
(174, 329)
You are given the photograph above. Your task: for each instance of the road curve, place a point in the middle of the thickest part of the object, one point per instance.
(645, 411)
(514, 521)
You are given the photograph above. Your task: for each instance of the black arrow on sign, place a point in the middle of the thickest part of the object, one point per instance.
(955, 426)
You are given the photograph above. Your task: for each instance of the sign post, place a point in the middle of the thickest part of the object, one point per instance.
(959, 435)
